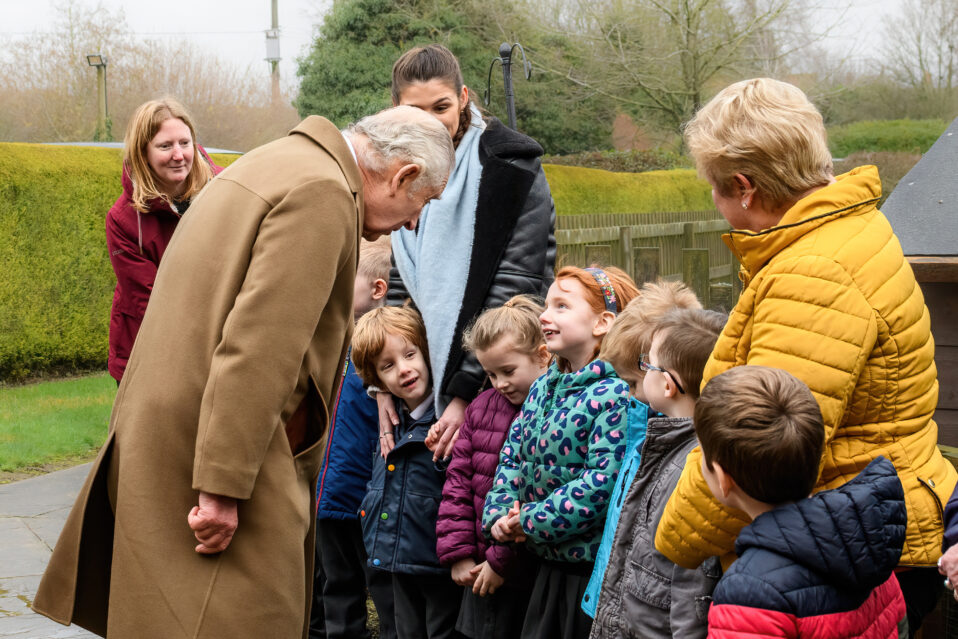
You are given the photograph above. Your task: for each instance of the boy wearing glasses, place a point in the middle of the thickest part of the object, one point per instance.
(644, 594)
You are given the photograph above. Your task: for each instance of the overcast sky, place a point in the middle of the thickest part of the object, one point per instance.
(233, 29)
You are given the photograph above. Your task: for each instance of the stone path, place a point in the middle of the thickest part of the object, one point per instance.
(32, 513)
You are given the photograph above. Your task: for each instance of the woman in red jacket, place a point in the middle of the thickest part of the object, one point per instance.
(160, 178)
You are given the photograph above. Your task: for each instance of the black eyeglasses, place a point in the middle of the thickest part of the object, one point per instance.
(645, 366)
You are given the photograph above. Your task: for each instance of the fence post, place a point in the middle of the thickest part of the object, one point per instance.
(647, 263)
(600, 254)
(721, 296)
(688, 235)
(695, 273)
(625, 247)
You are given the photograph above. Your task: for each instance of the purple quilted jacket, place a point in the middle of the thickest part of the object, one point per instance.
(469, 478)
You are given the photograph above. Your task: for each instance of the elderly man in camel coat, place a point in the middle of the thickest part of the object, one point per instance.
(196, 519)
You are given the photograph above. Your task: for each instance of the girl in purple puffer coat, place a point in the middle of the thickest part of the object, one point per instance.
(509, 345)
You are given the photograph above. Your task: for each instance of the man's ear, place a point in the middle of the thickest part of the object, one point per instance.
(404, 177)
(603, 324)
(380, 288)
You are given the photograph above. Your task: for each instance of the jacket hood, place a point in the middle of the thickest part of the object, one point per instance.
(853, 534)
(852, 193)
(577, 381)
(498, 140)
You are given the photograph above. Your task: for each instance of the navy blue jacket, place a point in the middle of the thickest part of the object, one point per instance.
(820, 567)
(951, 522)
(348, 460)
(399, 511)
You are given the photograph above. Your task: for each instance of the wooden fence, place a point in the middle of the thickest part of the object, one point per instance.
(684, 246)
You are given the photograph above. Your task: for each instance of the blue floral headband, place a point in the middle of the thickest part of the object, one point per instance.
(608, 293)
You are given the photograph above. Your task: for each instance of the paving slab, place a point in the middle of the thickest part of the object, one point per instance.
(32, 514)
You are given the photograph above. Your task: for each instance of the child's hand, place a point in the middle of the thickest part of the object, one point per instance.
(487, 579)
(462, 572)
(508, 528)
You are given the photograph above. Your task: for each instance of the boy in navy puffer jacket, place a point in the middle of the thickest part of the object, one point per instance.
(340, 576)
(398, 513)
(819, 566)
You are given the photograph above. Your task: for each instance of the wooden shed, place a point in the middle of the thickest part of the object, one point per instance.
(923, 210)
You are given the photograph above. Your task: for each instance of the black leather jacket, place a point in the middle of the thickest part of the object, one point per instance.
(513, 249)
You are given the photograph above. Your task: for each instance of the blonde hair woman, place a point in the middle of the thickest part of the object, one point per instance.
(161, 175)
(830, 299)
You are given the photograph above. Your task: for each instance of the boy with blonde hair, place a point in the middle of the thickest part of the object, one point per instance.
(628, 338)
(340, 576)
(399, 512)
(643, 593)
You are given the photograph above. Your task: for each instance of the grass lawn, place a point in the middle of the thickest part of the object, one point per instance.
(53, 424)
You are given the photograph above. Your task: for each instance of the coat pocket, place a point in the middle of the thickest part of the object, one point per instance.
(417, 538)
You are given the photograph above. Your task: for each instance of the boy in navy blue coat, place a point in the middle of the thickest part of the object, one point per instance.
(340, 576)
(820, 566)
(399, 511)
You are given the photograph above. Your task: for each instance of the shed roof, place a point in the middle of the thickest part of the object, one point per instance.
(923, 208)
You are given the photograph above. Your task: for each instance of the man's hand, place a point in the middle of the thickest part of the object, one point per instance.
(487, 579)
(213, 522)
(508, 528)
(444, 433)
(388, 420)
(462, 571)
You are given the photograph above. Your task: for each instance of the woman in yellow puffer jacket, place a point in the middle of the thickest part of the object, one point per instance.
(829, 298)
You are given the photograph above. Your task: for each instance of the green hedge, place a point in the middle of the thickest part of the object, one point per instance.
(578, 191)
(57, 283)
(912, 136)
(624, 161)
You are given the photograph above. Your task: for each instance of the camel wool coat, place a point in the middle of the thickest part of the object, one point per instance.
(226, 392)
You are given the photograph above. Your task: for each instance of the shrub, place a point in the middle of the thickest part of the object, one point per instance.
(624, 161)
(892, 167)
(912, 136)
(57, 283)
(579, 191)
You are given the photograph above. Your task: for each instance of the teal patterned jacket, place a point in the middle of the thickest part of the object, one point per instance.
(560, 461)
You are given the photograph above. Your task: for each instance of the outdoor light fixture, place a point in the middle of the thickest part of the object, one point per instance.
(98, 60)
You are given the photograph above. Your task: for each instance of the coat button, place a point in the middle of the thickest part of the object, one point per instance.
(931, 482)
(585, 598)
(362, 513)
(384, 516)
(376, 562)
(391, 467)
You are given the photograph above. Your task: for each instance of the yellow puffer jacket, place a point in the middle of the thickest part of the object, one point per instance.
(831, 299)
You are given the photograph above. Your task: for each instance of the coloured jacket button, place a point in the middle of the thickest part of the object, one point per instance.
(391, 467)
(376, 562)
(384, 516)
(362, 513)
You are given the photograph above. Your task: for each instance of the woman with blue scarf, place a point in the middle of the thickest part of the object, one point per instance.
(490, 235)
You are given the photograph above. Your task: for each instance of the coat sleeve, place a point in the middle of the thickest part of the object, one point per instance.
(135, 273)
(301, 246)
(813, 322)
(951, 522)
(456, 524)
(526, 267)
(581, 504)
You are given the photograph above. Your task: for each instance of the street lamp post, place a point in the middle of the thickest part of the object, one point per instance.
(102, 119)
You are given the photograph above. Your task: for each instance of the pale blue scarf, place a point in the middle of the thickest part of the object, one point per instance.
(433, 261)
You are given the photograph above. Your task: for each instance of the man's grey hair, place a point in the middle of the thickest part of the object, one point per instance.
(400, 133)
